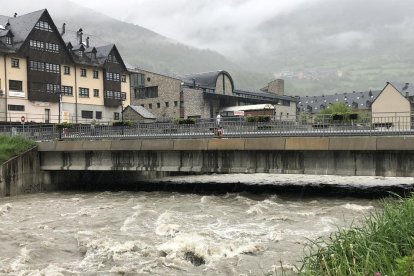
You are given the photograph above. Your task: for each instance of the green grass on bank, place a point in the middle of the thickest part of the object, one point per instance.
(12, 146)
(384, 245)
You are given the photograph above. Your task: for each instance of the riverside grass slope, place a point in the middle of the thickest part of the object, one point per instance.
(12, 146)
(383, 245)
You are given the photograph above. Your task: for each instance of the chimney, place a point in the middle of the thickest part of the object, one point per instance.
(194, 83)
(15, 14)
(80, 33)
(87, 42)
(63, 28)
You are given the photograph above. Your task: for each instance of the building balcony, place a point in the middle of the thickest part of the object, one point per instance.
(43, 96)
(114, 99)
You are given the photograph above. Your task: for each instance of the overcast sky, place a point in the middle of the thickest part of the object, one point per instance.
(193, 21)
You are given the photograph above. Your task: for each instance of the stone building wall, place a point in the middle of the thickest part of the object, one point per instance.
(131, 115)
(228, 88)
(283, 112)
(276, 87)
(167, 104)
(193, 102)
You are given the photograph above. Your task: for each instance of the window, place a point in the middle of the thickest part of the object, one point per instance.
(175, 103)
(116, 115)
(143, 105)
(44, 66)
(123, 79)
(98, 115)
(15, 63)
(83, 72)
(80, 53)
(52, 68)
(285, 102)
(44, 26)
(87, 114)
(15, 85)
(37, 45)
(52, 47)
(66, 70)
(52, 88)
(109, 76)
(112, 58)
(158, 105)
(150, 106)
(95, 74)
(37, 65)
(96, 92)
(67, 90)
(84, 92)
(8, 40)
(147, 92)
(13, 107)
(167, 104)
(116, 77)
(137, 80)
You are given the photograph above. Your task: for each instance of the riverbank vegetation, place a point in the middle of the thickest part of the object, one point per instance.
(383, 245)
(12, 146)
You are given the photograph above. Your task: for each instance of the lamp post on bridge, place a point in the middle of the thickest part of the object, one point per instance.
(59, 92)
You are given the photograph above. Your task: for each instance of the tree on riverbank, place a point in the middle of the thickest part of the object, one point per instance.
(384, 245)
(12, 146)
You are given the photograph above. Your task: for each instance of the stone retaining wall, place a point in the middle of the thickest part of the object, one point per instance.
(21, 175)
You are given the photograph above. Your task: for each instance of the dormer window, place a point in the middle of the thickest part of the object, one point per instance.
(112, 58)
(44, 26)
(8, 40)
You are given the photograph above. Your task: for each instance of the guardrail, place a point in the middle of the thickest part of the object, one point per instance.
(229, 128)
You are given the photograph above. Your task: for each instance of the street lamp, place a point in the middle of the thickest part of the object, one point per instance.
(59, 92)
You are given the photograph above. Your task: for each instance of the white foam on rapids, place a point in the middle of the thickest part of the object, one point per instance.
(208, 250)
(356, 207)
(164, 225)
(18, 264)
(5, 208)
(100, 250)
(295, 179)
(262, 207)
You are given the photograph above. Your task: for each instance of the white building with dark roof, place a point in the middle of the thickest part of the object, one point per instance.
(49, 74)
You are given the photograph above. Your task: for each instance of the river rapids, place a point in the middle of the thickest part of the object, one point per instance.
(164, 233)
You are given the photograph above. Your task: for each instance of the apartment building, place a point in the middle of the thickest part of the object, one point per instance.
(49, 75)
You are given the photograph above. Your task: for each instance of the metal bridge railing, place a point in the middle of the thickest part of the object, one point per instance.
(233, 127)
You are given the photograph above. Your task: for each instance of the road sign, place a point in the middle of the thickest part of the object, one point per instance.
(22, 119)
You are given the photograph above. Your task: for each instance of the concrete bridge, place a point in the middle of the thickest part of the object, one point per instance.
(382, 156)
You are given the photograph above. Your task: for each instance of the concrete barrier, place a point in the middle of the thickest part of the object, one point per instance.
(226, 144)
(307, 143)
(395, 143)
(190, 144)
(21, 175)
(353, 143)
(268, 143)
(157, 144)
(126, 145)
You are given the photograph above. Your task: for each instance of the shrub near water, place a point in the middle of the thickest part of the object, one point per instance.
(382, 246)
(12, 146)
